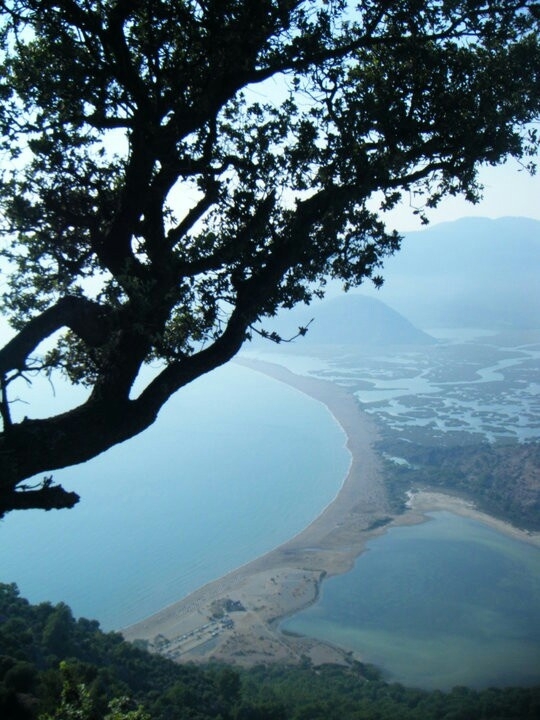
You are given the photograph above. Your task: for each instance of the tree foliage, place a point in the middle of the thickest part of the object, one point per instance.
(176, 171)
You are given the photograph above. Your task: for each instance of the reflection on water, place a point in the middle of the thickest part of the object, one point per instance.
(448, 602)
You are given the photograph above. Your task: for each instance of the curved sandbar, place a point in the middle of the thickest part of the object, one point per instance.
(233, 618)
(424, 501)
(286, 579)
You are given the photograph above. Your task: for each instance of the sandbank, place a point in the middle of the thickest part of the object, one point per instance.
(208, 623)
(424, 501)
(235, 618)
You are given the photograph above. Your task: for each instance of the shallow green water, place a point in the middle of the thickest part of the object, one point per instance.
(448, 602)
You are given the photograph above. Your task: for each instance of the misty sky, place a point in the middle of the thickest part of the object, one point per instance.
(509, 191)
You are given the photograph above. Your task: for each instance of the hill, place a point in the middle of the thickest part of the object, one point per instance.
(351, 319)
(503, 480)
(473, 272)
(54, 666)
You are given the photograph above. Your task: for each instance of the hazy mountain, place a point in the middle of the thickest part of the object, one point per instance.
(351, 319)
(473, 272)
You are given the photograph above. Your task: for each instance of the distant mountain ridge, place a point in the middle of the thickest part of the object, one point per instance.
(351, 319)
(473, 272)
(469, 273)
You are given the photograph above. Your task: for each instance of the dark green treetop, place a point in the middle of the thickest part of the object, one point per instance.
(174, 172)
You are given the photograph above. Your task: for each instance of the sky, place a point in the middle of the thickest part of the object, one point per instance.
(509, 191)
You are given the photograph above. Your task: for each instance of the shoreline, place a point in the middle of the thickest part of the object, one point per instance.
(424, 501)
(236, 617)
(286, 579)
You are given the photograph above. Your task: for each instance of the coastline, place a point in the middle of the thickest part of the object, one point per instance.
(236, 617)
(424, 501)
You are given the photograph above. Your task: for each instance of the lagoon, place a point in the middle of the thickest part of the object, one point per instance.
(447, 602)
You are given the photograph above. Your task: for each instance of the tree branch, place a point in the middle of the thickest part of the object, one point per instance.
(195, 214)
(299, 62)
(47, 497)
(4, 404)
(87, 319)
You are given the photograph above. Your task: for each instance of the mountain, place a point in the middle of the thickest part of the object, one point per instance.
(350, 319)
(473, 272)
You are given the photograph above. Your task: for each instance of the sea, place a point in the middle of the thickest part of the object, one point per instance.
(236, 464)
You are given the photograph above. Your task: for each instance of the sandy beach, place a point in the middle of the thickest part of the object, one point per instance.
(427, 501)
(235, 618)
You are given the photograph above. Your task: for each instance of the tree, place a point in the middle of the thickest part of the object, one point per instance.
(76, 702)
(180, 170)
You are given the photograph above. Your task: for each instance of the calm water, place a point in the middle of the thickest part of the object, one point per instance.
(448, 602)
(236, 464)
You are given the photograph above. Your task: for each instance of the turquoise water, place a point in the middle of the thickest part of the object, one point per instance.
(445, 603)
(236, 464)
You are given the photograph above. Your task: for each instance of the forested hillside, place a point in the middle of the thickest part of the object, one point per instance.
(53, 666)
(502, 479)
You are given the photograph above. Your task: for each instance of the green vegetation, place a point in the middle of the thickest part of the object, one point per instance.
(175, 173)
(503, 479)
(54, 667)
(43, 647)
(333, 693)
